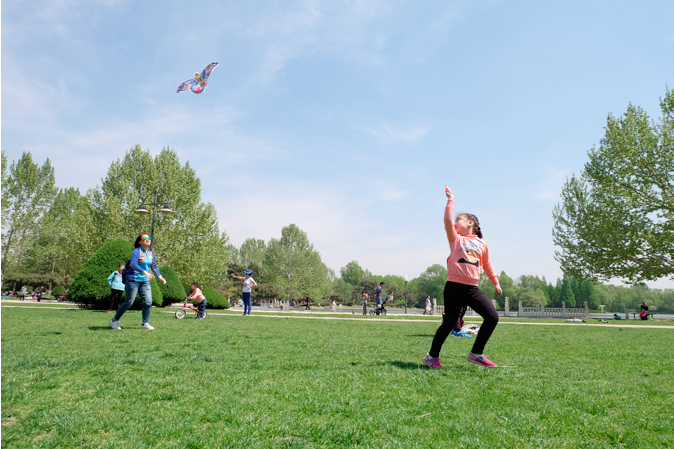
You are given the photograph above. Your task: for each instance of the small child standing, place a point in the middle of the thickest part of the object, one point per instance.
(197, 295)
(468, 257)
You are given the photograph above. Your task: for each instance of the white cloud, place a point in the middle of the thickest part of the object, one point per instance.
(393, 135)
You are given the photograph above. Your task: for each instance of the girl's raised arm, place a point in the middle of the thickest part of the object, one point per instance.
(449, 221)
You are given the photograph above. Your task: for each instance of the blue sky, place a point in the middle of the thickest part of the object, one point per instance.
(344, 117)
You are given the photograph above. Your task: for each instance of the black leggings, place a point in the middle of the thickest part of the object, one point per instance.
(115, 295)
(456, 297)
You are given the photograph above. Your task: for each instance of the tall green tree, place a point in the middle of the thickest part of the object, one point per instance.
(189, 240)
(28, 191)
(431, 283)
(252, 252)
(65, 238)
(566, 294)
(352, 272)
(616, 219)
(295, 266)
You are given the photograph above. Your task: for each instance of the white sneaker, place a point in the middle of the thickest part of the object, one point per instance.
(147, 326)
(115, 325)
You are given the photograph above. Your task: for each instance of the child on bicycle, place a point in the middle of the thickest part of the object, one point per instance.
(197, 295)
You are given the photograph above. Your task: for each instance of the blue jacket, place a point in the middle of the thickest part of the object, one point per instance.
(115, 281)
(142, 261)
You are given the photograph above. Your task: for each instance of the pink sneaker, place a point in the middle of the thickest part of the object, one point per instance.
(432, 362)
(481, 360)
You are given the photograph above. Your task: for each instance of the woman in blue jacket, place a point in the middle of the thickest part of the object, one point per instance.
(143, 263)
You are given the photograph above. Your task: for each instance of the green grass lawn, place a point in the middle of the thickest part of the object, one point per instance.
(68, 380)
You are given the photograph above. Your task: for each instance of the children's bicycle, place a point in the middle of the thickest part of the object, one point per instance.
(181, 313)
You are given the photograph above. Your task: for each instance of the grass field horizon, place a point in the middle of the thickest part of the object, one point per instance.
(68, 380)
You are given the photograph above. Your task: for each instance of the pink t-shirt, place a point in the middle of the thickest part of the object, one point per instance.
(469, 255)
(196, 294)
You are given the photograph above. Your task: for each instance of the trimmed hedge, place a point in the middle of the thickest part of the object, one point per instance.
(90, 285)
(59, 290)
(216, 300)
(173, 290)
(157, 297)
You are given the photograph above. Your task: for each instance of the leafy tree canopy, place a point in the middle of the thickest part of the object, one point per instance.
(616, 219)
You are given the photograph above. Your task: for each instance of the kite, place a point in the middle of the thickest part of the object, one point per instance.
(198, 84)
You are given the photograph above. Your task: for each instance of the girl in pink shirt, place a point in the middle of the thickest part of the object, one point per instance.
(469, 256)
(197, 295)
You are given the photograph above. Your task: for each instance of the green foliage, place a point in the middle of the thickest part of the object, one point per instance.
(90, 285)
(252, 252)
(566, 295)
(189, 240)
(343, 292)
(28, 192)
(173, 290)
(58, 290)
(267, 291)
(616, 219)
(352, 272)
(430, 283)
(295, 266)
(216, 300)
(157, 299)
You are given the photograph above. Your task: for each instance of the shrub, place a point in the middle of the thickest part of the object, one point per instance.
(90, 285)
(216, 300)
(59, 290)
(157, 297)
(173, 290)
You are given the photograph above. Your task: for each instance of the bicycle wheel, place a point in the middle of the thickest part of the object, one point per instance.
(180, 314)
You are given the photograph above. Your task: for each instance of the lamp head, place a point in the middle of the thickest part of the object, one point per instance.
(142, 210)
(166, 210)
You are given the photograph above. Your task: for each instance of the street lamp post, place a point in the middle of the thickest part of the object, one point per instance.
(165, 210)
(405, 294)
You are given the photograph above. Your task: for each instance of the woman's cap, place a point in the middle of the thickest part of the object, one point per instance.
(247, 271)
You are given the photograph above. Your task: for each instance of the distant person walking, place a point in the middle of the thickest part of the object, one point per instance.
(24, 292)
(248, 285)
(366, 298)
(116, 287)
(334, 306)
(377, 295)
(143, 263)
(308, 304)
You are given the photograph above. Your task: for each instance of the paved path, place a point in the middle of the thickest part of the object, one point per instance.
(267, 315)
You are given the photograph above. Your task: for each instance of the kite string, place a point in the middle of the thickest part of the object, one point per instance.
(379, 161)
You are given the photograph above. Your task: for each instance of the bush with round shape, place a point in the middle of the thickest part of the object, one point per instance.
(173, 290)
(216, 300)
(90, 286)
(59, 290)
(157, 297)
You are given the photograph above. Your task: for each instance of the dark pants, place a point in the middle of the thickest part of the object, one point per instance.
(115, 295)
(459, 323)
(307, 307)
(456, 297)
(247, 303)
(364, 308)
(201, 307)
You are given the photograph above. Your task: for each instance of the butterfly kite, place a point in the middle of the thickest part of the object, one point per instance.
(198, 84)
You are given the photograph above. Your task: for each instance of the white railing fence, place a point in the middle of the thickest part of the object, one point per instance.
(535, 312)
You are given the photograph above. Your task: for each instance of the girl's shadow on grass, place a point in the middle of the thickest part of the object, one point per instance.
(99, 328)
(421, 335)
(403, 365)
